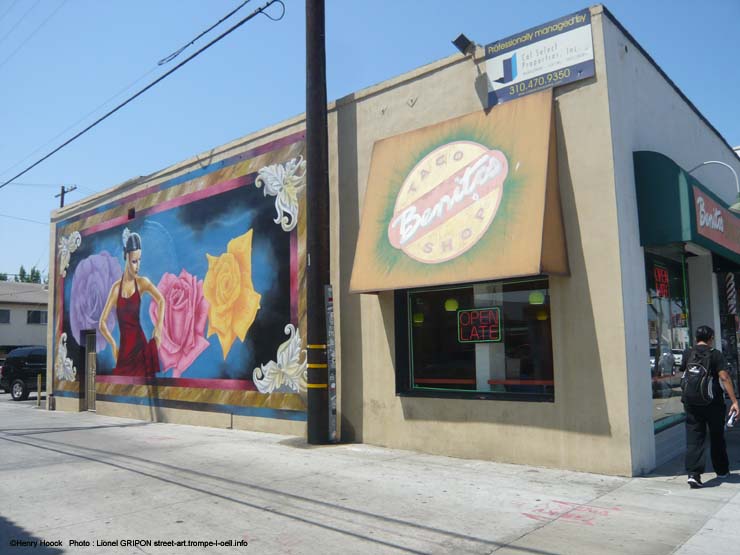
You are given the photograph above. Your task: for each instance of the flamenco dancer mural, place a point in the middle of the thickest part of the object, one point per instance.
(136, 356)
(192, 286)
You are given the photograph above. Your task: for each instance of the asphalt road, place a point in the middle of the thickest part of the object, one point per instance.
(31, 401)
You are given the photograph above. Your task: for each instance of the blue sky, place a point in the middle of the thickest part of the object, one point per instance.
(61, 59)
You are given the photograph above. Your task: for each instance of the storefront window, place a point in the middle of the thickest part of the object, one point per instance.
(668, 327)
(489, 340)
(729, 334)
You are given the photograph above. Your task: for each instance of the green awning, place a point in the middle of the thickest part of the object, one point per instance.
(674, 207)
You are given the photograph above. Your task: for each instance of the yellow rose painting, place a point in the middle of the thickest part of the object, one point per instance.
(228, 288)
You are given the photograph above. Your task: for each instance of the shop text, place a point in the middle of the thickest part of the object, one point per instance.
(709, 218)
(449, 198)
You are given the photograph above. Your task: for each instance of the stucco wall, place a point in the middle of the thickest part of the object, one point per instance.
(647, 113)
(587, 425)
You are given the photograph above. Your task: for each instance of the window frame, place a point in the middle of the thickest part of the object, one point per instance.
(403, 351)
(45, 318)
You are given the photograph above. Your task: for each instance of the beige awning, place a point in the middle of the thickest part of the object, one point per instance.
(474, 198)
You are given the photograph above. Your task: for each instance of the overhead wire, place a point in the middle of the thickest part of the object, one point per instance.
(23, 219)
(123, 90)
(81, 119)
(179, 51)
(17, 23)
(258, 11)
(33, 33)
(10, 7)
(54, 185)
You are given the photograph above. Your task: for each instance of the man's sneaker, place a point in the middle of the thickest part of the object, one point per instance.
(725, 475)
(694, 481)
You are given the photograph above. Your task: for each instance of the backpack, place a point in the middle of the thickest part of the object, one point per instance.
(697, 382)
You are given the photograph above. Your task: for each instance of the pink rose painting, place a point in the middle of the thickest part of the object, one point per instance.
(183, 329)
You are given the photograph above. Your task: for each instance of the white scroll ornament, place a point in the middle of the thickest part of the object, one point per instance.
(289, 370)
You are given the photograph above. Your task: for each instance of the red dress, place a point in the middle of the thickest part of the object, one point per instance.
(136, 356)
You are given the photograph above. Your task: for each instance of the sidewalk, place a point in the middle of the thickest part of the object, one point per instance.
(87, 478)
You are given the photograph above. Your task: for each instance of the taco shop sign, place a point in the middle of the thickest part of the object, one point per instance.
(474, 198)
(448, 201)
(715, 222)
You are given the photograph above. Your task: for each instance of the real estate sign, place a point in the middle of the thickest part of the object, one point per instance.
(545, 56)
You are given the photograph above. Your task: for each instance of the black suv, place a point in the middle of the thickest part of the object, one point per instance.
(18, 374)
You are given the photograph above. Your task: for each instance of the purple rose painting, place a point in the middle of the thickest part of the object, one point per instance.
(183, 329)
(91, 284)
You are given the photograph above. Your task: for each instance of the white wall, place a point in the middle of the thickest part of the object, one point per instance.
(18, 332)
(703, 295)
(647, 113)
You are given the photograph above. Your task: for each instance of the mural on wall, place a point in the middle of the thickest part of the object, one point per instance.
(196, 287)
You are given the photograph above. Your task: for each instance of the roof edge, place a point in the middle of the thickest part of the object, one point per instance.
(675, 87)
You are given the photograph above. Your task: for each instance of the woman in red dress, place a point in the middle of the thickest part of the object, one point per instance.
(136, 356)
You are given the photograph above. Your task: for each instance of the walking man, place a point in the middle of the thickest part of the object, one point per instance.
(705, 409)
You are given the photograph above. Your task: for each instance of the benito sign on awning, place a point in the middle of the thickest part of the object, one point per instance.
(469, 199)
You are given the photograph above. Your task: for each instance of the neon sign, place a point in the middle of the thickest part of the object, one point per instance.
(662, 287)
(479, 325)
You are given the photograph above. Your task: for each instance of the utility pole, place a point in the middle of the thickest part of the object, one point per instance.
(64, 190)
(317, 198)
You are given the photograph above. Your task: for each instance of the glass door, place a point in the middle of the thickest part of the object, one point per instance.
(669, 331)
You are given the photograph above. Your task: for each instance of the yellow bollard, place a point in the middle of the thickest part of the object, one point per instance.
(38, 390)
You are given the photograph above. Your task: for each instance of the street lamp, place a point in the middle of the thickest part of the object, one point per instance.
(735, 207)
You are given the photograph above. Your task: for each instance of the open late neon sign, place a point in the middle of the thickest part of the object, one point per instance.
(479, 325)
(662, 281)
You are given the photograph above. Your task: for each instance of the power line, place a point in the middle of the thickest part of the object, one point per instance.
(23, 219)
(63, 191)
(10, 7)
(17, 23)
(91, 112)
(179, 51)
(110, 99)
(150, 85)
(88, 189)
(54, 185)
(29, 37)
(81, 119)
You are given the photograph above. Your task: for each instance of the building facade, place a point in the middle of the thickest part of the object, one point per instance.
(499, 285)
(23, 315)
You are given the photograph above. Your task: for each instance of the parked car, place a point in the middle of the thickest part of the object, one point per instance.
(20, 370)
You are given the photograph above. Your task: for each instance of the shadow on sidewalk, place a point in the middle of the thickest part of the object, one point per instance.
(37, 431)
(10, 535)
(675, 467)
(192, 480)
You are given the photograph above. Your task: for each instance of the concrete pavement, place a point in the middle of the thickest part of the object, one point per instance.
(111, 485)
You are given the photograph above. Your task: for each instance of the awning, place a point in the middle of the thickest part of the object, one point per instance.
(674, 207)
(474, 198)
